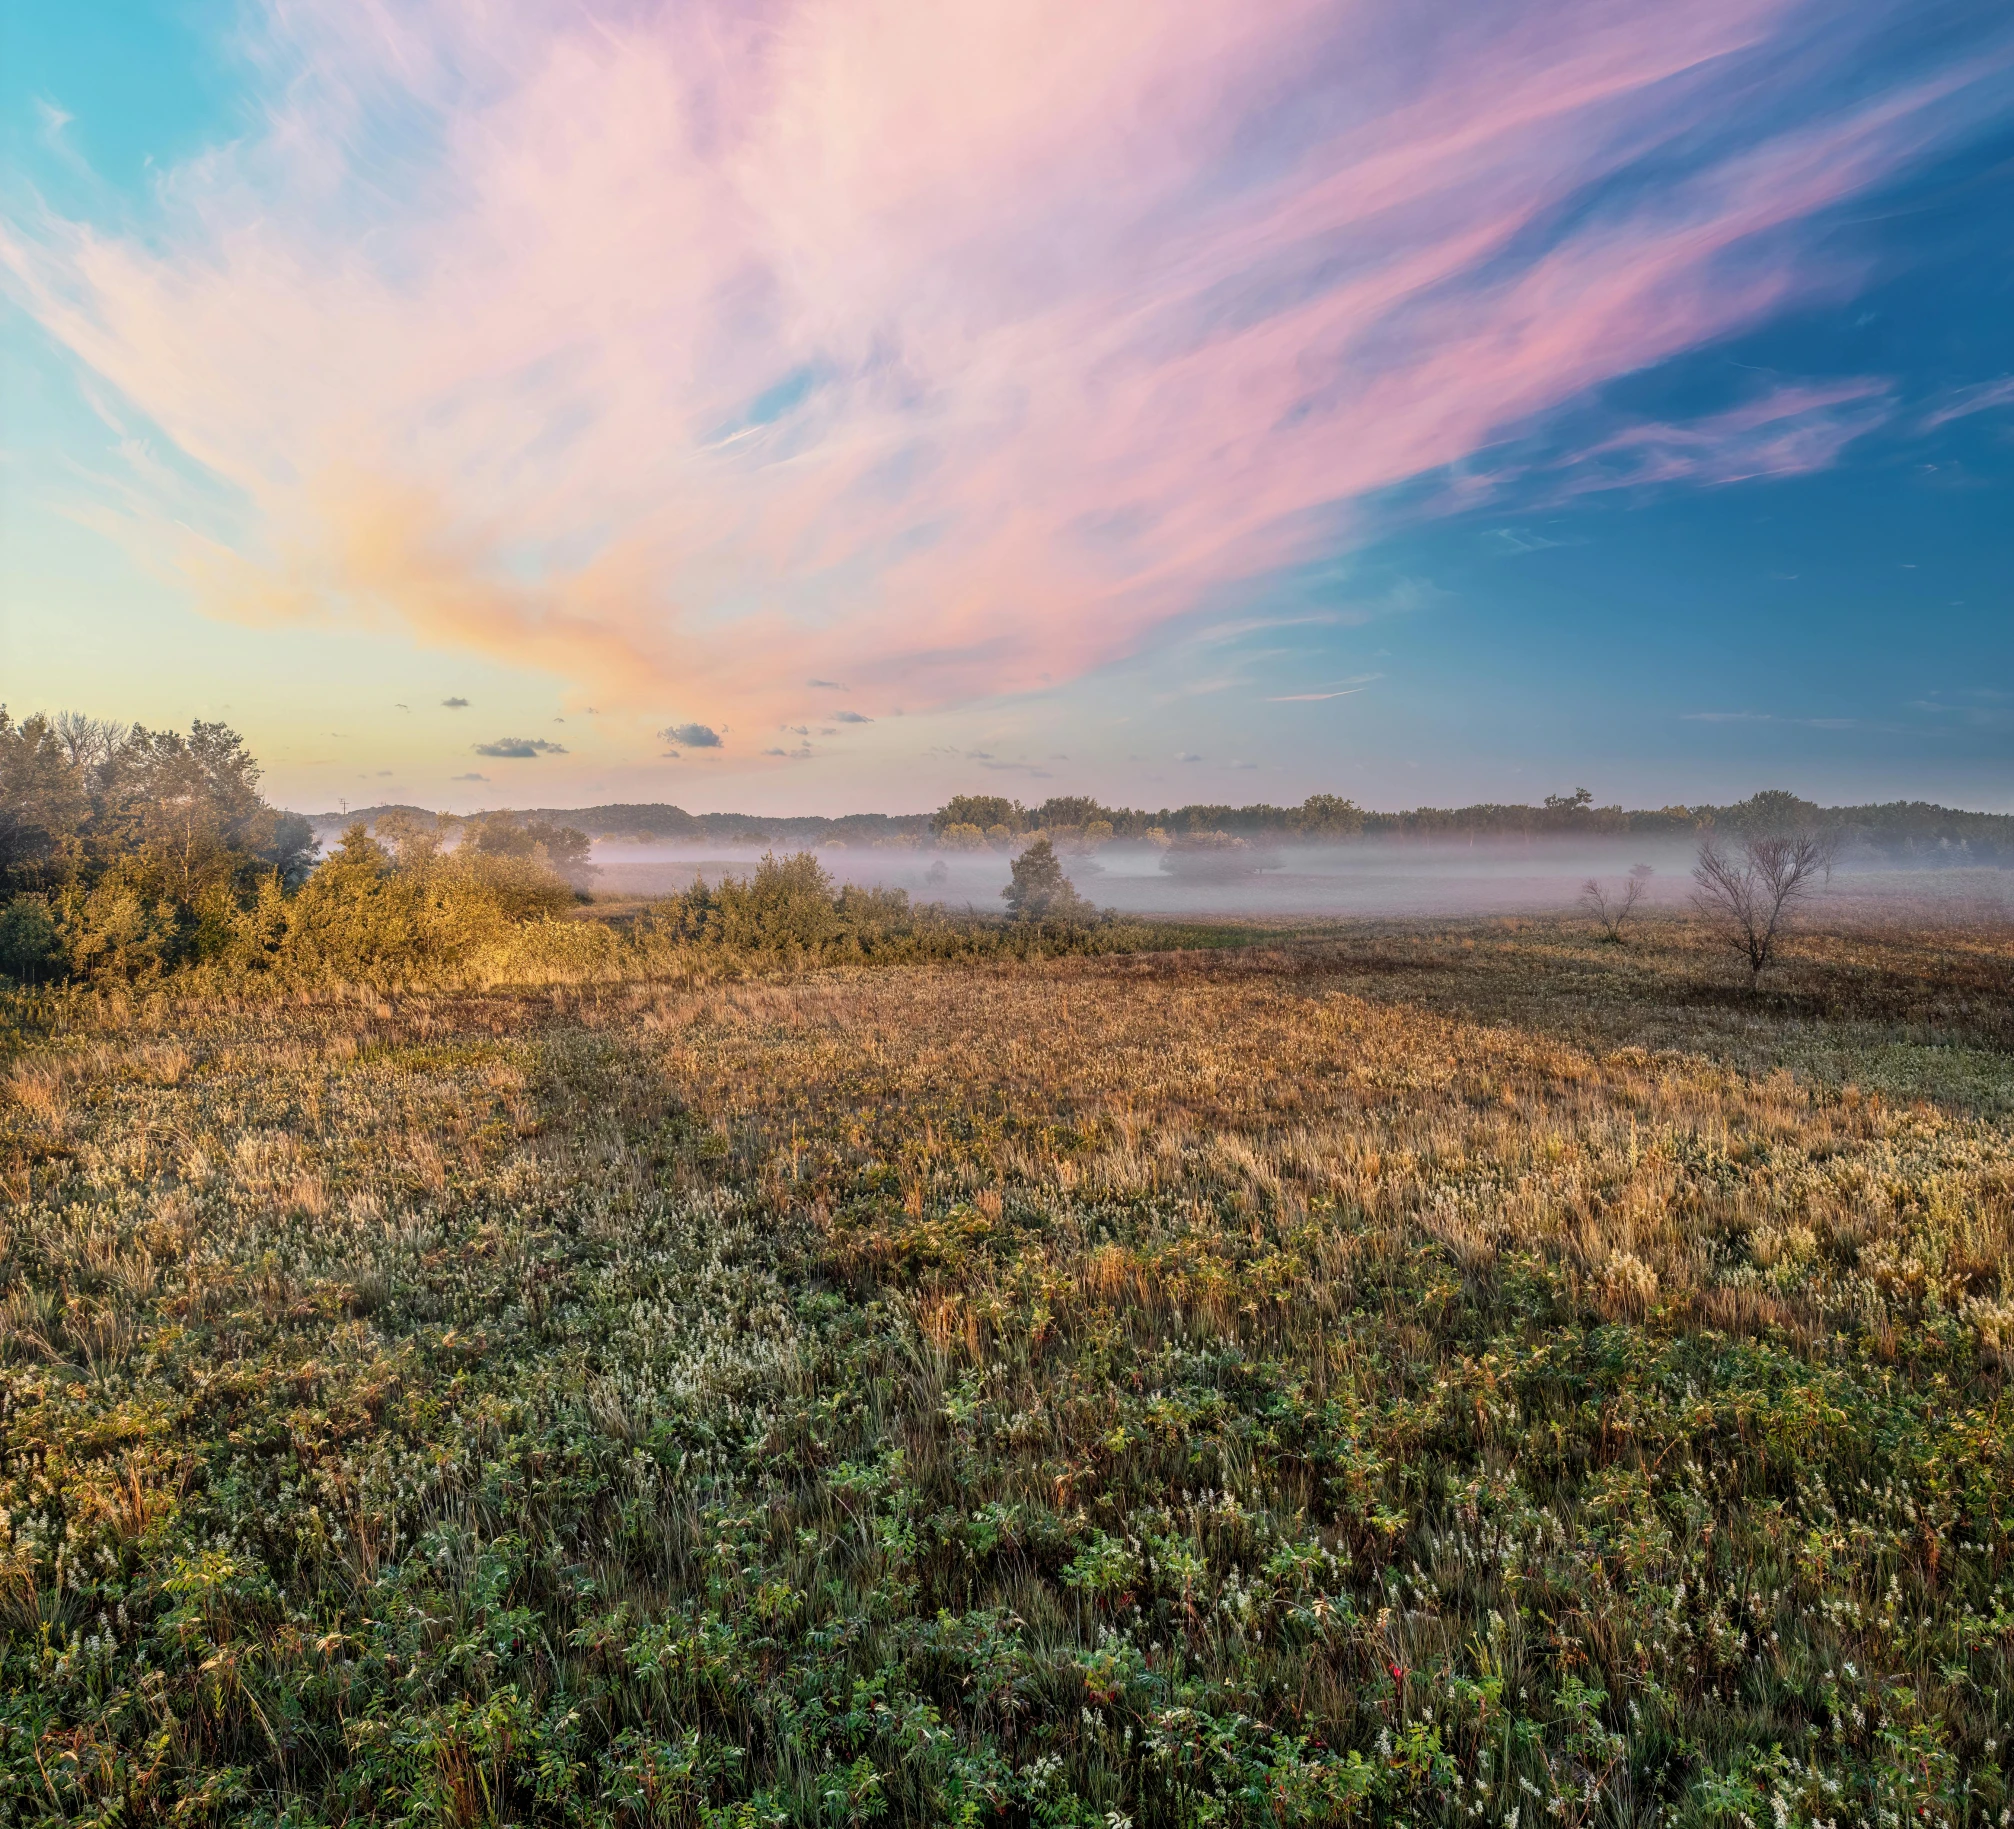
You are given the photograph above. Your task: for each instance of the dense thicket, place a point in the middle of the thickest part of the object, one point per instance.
(128, 850)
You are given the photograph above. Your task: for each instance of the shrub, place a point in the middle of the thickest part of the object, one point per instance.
(122, 926)
(362, 918)
(1217, 857)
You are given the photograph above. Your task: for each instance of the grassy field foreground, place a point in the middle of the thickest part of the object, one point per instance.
(1455, 1376)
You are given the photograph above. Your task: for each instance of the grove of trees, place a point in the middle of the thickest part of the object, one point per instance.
(127, 853)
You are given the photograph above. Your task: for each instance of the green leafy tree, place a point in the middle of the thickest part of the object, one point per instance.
(190, 805)
(1329, 816)
(1071, 812)
(564, 850)
(982, 810)
(1039, 891)
(31, 948)
(1773, 813)
(44, 802)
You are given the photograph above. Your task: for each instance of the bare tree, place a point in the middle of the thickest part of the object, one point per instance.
(88, 742)
(1611, 915)
(1750, 899)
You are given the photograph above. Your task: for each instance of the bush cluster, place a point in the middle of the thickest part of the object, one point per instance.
(127, 855)
(790, 911)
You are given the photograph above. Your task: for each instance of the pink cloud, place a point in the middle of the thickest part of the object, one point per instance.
(1066, 314)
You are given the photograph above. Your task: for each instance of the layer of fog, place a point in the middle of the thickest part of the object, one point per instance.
(1360, 877)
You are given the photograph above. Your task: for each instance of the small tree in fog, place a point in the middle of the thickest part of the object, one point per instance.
(1040, 891)
(1750, 898)
(414, 842)
(1611, 913)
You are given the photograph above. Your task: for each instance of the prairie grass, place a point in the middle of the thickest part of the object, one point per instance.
(1452, 1374)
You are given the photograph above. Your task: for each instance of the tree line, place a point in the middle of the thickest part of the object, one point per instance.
(1907, 831)
(1914, 830)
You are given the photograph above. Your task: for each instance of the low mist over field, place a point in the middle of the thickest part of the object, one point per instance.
(1272, 863)
(1369, 878)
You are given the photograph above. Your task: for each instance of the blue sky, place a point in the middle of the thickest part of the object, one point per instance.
(1185, 408)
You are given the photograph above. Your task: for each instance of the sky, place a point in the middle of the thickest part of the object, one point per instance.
(832, 405)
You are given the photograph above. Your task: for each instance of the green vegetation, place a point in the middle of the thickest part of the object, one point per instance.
(139, 858)
(1468, 1375)
(789, 914)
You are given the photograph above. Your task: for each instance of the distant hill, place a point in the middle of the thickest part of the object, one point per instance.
(658, 823)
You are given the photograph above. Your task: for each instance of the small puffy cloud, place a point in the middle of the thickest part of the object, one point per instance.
(691, 736)
(469, 777)
(1188, 755)
(851, 717)
(456, 704)
(825, 685)
(383, 772)
(519, 749)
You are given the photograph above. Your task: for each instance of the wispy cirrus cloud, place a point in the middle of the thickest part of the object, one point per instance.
(1784, 432)
(1963, 402)
(1770, 717)
(707, 349)
(1335, 689)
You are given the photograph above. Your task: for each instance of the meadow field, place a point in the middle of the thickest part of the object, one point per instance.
(1436, 1372)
